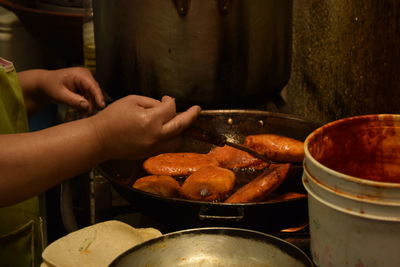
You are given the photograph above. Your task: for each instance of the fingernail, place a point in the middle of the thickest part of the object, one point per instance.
(196, 107)
(167, 98)
(83, 105)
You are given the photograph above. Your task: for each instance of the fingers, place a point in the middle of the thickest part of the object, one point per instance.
(74, 100)
(180, 122)
(174, 124)
(90, 88)
(166, 98)
(79, 81)
(144, 101)
(93, 91)
(166, 110)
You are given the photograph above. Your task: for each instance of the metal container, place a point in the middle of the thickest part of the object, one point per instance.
(352, 177)
(220, 246)
(215, 53)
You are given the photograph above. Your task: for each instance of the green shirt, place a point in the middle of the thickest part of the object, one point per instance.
(13, 118)
(21, 226)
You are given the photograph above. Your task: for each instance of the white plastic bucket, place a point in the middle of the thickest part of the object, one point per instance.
(354, 211)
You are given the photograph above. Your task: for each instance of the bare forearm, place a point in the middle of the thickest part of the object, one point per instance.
(131, 128)
(33, 162)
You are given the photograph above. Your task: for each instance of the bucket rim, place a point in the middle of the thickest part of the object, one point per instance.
(368, 199)
(318, 198)
(341, 175)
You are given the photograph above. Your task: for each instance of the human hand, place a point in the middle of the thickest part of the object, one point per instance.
(75, 87)
(137, 126)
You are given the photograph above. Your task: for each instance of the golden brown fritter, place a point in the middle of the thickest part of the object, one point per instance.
(277, 148)
(209, 184)
(264, 184)
(162, 185)
(230, 158)
(178, 164)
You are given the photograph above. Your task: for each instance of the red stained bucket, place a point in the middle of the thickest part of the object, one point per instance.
(352, 176)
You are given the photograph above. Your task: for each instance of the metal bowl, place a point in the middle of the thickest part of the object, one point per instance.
(215, 246)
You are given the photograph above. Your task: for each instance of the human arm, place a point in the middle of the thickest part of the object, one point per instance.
(131, 128)
(75, 87)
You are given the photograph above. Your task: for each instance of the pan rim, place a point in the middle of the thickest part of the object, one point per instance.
(281, 244)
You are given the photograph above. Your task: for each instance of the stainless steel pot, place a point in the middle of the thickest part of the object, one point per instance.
(206, 247)
(178, 214)
(216, 53)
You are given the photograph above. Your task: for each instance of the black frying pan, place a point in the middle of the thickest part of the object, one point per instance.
(181, 214)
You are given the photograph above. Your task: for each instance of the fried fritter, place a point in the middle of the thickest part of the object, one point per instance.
(230, 158)
(209, 184)
(264, 184)
(277, 148)
(178, 164)
(162, 185)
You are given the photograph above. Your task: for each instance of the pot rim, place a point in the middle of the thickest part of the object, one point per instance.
(231, 231)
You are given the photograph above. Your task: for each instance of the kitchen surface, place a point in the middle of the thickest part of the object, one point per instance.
(321, 72)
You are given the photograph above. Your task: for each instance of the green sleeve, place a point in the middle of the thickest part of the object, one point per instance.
(13, 116)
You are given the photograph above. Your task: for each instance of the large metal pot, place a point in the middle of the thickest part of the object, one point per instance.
(215, 53)
(214, 247)
(180, 214)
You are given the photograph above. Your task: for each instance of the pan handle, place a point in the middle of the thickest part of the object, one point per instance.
(207, 214)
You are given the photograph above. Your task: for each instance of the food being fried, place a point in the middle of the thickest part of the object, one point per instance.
(209, 184)
(162, 185)
(178, 164)
(286, 196)
(263, 185)
(230, 158)
(277, 148)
